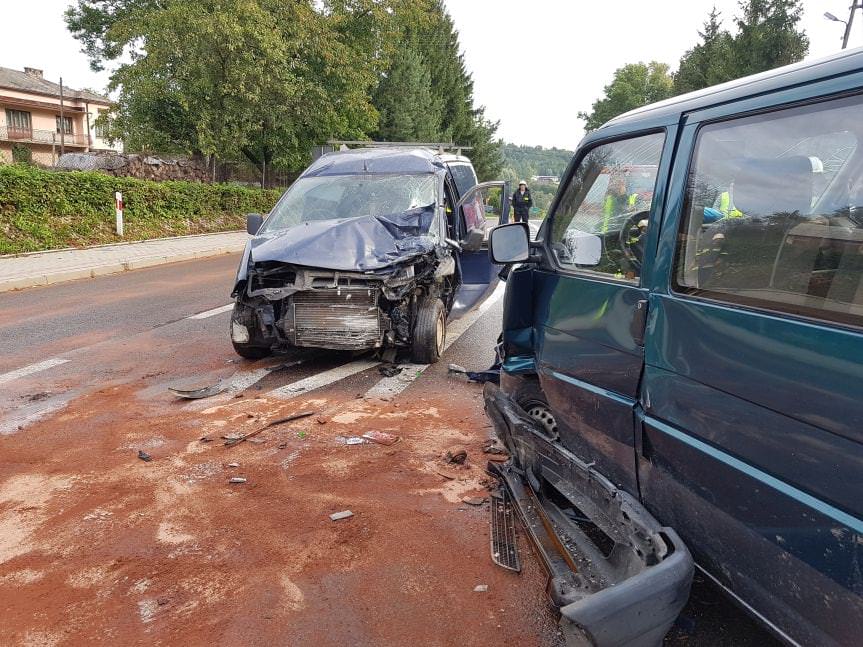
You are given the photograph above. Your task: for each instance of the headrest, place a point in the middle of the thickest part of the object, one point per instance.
(763, 187)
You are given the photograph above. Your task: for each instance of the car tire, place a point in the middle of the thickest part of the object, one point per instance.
(254, 348)
(429, 331)
(530, 397)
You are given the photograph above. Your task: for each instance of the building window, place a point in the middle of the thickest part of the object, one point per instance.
(18, 123)
(100, 126)
(67, 125)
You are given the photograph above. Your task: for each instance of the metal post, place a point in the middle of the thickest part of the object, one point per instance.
(87, 121)
(62, 122)
(118, 207)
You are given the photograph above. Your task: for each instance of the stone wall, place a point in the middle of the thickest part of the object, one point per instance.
(137, 165)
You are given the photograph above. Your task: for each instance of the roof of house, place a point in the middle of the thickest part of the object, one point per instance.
(26, 82)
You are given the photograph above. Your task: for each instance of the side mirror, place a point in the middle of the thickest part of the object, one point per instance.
(473, 241)
(583, 248)
(254, 222)
(509, 243)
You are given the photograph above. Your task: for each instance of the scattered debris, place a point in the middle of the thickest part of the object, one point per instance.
(350, 440)
(281, 445)
(474, 500)
(321, 420)
(236, 479)
(37, 397)
(203, 392)
(456, 455)
(144, 456)
(205, 439)
(236, 441)
(493, 446)
(447, 474)
(232, 436)
(233, 465)
(381, 437)
(491, 374)
(389, 370)
(344, 514)
(257, 441)
(480, 588)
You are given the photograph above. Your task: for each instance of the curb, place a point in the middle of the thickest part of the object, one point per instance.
(73, 274)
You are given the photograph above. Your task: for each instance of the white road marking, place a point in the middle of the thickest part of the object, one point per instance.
(212, 313)
(392, 386)
(32, 368)
(322, 379)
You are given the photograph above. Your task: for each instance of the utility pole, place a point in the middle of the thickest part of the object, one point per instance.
(62, 122)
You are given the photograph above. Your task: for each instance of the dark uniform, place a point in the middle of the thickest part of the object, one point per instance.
(521, 204)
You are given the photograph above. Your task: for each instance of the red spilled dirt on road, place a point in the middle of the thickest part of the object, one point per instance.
(100, 547)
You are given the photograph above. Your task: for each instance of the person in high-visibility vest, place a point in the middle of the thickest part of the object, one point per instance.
(522, 201)
(726, 205)
(616, 201)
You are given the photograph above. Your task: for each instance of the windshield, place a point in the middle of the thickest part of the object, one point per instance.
(338, 197)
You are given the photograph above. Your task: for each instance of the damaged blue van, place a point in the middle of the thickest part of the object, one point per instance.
(686, 335)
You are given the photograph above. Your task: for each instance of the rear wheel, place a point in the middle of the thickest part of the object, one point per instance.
(529, 396)
(244, 333)
(429, 332)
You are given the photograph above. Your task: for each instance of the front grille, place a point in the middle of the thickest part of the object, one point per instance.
(340, 319)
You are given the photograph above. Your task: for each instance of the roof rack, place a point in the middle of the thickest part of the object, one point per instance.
(440, 146)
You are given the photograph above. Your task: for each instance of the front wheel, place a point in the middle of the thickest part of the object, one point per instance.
(429, 332)
(244, 333)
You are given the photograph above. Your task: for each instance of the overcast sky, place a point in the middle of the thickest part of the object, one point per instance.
(535, 63)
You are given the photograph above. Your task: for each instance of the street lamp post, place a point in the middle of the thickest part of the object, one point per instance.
(854, 7)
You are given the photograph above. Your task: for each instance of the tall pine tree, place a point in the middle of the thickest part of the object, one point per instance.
(409, 110)
(767, 35)
(436, 39)
(710, 61)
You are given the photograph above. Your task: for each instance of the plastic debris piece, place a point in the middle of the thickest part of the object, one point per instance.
(344, 514)
(144, 456)
(233, 464)
(474, 500)
(350, 440)
(237, 479)
(381, 437)
(480, 588)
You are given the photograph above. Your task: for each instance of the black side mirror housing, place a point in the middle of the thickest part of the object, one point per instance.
(253, 223)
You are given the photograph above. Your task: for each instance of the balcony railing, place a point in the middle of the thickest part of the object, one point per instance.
(35, 136)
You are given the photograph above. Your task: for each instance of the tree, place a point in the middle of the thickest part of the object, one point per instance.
(633, 85)
(408, 109)
(265, 79)
(710, 61)
(768, 36)
(433, 35)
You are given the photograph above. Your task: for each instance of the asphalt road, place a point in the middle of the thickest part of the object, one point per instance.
(163, 326)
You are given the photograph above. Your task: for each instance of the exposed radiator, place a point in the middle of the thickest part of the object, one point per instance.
(341, 319)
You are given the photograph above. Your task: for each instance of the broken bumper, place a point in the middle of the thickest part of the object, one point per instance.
(616, 576)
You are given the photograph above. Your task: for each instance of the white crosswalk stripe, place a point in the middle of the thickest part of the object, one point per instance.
(325, 378)
(212, 313)
(32, 368)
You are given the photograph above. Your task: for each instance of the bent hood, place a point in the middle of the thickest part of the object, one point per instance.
(355, 244)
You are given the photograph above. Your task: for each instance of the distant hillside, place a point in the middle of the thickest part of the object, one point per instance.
(524, 162)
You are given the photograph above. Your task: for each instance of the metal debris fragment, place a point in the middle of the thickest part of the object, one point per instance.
(480, 588)
(344, 514)
(381, 437)
(236, 479)
(144, 456)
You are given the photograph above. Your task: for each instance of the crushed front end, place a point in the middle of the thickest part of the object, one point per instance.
(616, 576)
(305, 307)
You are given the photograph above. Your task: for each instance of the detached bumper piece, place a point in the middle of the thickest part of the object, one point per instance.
(617, 577)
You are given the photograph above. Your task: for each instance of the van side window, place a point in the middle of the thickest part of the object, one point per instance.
(774, 212)
(600, 223)
(463, 176)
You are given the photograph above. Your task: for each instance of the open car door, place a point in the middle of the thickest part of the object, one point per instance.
(482, 207)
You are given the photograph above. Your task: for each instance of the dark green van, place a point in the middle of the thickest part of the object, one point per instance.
(687, 330)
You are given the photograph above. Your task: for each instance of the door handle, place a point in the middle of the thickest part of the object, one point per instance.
(639, 322)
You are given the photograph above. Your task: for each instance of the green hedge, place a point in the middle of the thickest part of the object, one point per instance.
(42, 209)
